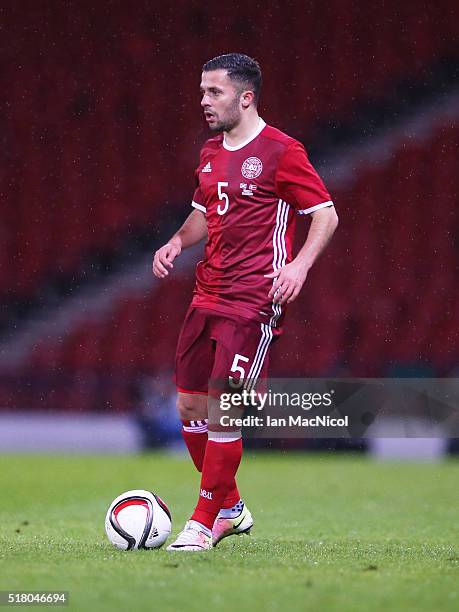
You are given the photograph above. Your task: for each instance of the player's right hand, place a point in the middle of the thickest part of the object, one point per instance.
(163, 259)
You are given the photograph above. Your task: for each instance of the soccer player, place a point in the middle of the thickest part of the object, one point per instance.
(251, 181)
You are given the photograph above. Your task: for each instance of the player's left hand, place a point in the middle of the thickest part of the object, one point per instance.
(288, 283)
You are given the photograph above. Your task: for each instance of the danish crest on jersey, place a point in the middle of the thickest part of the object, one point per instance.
(252, 167)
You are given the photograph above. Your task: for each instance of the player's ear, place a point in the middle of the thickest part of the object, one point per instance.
(247, 98)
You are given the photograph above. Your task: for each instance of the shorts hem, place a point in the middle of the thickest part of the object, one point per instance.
(182, 390)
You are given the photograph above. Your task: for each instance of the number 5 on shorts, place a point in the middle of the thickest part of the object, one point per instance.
(239, 369)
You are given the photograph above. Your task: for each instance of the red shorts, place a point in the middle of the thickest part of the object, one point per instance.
(221, 347)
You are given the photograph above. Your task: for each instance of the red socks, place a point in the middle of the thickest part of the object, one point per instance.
(232, 495)
(221, 462)
(194, 434)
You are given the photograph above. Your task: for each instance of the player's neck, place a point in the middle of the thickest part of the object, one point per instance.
(243, 131)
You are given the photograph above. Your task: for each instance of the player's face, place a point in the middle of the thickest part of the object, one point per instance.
(220, 100)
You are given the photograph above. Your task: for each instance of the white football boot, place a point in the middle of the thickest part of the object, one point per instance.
(224, 527)
(192, 538)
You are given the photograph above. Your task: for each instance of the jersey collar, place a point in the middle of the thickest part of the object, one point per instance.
(261, 125)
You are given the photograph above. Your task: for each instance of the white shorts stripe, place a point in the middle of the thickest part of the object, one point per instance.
(261, 359)
(265, 341)
(258, 351)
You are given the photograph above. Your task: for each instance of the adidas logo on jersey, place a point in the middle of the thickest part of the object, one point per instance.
(207, 168)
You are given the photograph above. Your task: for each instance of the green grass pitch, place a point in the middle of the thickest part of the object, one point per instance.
(331, 533)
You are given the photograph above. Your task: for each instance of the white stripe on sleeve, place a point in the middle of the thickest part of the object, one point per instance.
(199, 206)
(306, 211)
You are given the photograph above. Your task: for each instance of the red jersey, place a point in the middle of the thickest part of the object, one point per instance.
(249, 195)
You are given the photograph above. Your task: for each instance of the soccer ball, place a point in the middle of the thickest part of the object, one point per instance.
(138, 519)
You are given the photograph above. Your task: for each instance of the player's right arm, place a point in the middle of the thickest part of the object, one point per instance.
(192, 231)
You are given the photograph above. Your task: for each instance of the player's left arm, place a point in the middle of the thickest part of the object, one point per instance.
(290, 279)
(298, 183)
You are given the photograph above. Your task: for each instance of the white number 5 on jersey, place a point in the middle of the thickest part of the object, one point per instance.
(239, 369)
(222, 196)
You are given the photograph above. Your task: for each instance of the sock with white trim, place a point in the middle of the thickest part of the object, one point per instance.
(194, 434)
(221, 462)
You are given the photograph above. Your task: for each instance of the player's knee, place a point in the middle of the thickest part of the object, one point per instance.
(192, 407)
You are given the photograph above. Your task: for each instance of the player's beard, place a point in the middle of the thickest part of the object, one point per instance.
(231, 118)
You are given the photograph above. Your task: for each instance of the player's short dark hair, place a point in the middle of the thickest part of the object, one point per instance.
(240, 68)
